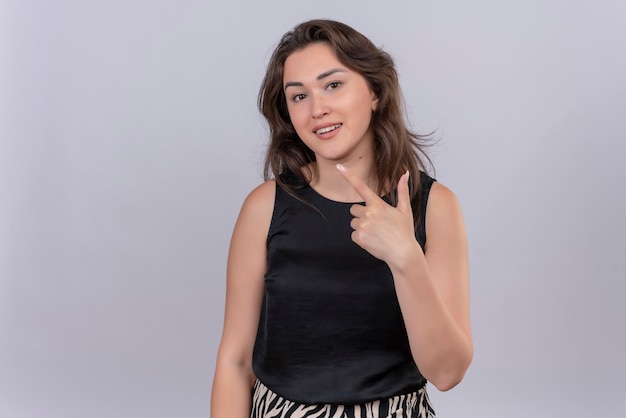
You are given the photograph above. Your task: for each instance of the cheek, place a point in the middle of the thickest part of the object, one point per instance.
(363, 108)
(297, 116)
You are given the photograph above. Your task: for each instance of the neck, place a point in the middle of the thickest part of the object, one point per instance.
(329, 182)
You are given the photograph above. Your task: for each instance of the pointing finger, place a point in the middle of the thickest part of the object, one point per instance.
(363, 190)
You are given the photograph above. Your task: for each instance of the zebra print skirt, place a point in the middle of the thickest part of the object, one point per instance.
(267, 404)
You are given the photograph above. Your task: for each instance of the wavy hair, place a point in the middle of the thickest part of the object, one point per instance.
(397, 149)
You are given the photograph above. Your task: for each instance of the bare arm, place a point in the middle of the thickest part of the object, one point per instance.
(232, 384)
(433, 291)
(432, 286)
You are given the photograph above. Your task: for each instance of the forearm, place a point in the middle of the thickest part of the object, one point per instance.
(440, 345)
(231, 395)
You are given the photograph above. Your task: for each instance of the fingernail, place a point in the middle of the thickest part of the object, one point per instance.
(341, 168)
(407, 175)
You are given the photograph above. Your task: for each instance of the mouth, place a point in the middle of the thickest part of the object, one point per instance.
(328, 129)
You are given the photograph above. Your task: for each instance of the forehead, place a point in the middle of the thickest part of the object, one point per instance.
(310, 61)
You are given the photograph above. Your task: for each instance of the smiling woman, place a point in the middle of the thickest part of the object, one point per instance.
(330, 106)
(336, 302)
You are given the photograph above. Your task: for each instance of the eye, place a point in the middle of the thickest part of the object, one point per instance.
(297, 97)
(333, 85)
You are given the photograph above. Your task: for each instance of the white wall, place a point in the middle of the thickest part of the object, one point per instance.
(129, 137)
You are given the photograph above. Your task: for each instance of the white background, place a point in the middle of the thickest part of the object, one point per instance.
(129, 137)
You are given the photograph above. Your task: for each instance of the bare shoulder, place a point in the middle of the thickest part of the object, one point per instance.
(261, 198)
(441, 198)
(444, 219)
(257, 209)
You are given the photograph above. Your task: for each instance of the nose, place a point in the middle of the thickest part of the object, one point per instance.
(319, 106)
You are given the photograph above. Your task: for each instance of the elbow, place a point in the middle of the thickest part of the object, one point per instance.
(448, 379)
(446, 383)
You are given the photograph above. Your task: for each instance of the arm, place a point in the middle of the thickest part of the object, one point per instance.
(433, 291)
(233, 380)
(432, 285)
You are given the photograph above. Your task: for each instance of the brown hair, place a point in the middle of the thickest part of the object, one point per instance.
(397, 148)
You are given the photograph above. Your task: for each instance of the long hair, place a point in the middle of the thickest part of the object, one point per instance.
(397, 149)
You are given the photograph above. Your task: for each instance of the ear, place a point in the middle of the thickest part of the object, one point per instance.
(374, 102)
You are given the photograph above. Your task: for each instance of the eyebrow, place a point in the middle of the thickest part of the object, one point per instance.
(319, 77)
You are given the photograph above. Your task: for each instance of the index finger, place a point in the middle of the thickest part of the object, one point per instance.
(363, 190)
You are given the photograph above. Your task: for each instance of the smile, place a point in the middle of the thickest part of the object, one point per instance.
(327, 129)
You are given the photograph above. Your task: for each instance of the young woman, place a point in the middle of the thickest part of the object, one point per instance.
(347, 278)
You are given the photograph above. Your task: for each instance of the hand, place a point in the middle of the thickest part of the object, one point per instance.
(384, 231)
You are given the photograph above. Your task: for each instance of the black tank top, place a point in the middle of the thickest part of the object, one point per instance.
(331, 329)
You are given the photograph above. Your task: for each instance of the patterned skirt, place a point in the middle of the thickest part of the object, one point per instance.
(267, 404)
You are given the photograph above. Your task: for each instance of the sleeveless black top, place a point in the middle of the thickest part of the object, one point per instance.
(331, 329)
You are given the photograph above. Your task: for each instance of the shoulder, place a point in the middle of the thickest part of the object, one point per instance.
(443, 213)
(441, 196)
(262, 196)
(442, 204)
(259, 204)
(252, 226)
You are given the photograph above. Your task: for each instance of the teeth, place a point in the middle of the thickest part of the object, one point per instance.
(327, 129)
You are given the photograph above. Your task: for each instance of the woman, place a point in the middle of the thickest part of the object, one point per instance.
(336, 303)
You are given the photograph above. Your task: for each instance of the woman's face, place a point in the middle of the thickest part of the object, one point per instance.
(330, 106)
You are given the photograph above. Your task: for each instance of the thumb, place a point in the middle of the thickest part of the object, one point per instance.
(404, 198)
